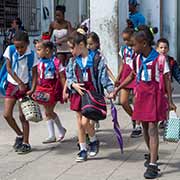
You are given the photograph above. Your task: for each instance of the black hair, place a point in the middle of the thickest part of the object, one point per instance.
(77, 38)
(95, 38)
(21, 36)
(47, 44)
(128, 30)
(162, 40)
(61, 8)
(146, 33)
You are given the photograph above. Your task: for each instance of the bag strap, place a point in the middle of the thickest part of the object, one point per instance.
(161, 63)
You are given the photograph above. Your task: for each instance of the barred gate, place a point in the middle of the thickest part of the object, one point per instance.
(28, 10)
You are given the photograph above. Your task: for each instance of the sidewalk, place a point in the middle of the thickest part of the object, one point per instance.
(57, 161)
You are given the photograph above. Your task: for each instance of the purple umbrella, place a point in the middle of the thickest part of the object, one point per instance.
(116, 126)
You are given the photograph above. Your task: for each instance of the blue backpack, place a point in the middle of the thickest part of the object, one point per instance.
(4, 73)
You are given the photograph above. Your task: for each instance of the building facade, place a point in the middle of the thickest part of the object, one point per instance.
(108, 21)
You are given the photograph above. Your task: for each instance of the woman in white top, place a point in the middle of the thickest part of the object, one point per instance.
(59, 31)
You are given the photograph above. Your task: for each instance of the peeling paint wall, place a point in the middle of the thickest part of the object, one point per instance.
(104, 21)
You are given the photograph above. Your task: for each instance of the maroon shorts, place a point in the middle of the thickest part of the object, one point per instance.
(13, 91)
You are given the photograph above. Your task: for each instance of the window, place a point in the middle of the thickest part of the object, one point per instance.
(28, 10)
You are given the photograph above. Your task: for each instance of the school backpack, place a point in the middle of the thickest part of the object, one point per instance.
(93, 104)
(4, 73)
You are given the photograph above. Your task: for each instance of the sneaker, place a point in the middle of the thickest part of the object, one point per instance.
(136, 133)
(162, 125)
(82, 156)
(18, 143)
(151, 172)
(93, 148)
(147, 157)
(25, 148)
(62, 137)
(49, 140)
(97, 126)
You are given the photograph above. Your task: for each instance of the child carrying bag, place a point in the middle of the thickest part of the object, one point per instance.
(172, 129)
(30, 109)
(93, 105)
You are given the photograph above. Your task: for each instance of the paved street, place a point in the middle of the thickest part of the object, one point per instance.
(57, 161)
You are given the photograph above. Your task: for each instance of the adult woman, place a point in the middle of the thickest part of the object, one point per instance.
(59, 31)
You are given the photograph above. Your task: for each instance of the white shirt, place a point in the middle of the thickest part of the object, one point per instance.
(166, 70)
(84, 61)
(21, 68)
(49, 74)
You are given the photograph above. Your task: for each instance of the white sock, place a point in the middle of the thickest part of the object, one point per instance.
(153, 164)
(50, 126)
(59, 126)
(83, 146)
(138, 126)
(93, 138)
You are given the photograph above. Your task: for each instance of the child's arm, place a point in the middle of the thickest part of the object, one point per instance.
(119, 73)
(34, 81)
(176, 72)
(65, 94)
(125, 82)
(168, 90)
(111, 75)
(21, 84)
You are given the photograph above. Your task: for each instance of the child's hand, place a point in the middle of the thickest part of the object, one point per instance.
(117, 83)
(79, 88)
(65, 96)
(172, 106)
(30, 92)
(111, 96)
(22, 86)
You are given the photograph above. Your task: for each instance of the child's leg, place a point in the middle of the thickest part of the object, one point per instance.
(25, 126)
(94, 143)
(82, 155)
(146, 133)
(50, 116)
(25, 148)
(8, 115)
(153, 142)
(124, 100)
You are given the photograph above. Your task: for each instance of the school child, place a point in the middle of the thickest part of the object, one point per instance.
(82, 65)
(18, 86)
(93, 43)
(150, 104)
(48, 72)
(163, 48)
(127, 56)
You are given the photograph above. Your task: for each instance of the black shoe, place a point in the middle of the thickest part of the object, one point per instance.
(18, 143)
(93, 148)
(25, 148)
(162, 125)
(136, 133)
(151, 172)
(147, 157)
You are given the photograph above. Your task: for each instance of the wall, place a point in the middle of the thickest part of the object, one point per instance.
(105, 24)
(151, 11)
(170, 24)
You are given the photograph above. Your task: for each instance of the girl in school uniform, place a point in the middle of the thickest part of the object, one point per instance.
(127, 56)
(50, 71)
(151, 104)
(84, 60)
(18, 86)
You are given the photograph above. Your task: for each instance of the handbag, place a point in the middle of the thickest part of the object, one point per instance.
(93, 105)
(44, 95)
(172, 128)
(30, 109)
